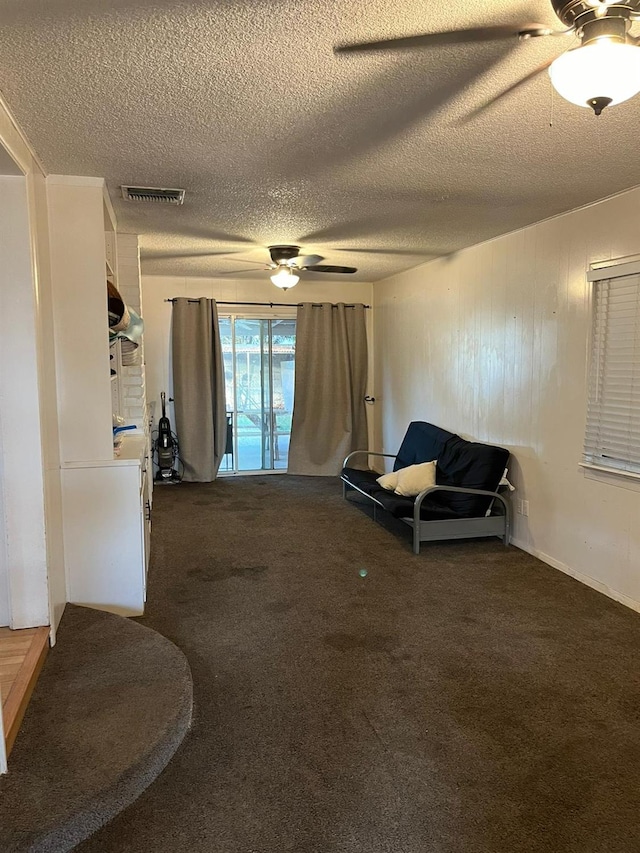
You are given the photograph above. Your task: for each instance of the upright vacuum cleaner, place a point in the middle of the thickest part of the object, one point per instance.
(166, 449)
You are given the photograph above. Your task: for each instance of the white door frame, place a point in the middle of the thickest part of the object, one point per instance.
(22, 528)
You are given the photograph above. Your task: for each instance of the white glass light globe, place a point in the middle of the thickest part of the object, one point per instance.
(604, 69)
(285, 278)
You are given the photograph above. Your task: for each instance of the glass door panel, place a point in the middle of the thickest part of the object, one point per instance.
(265, 353)
(259, 358)
(249, 412)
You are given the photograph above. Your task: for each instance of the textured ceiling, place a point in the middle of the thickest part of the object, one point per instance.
(373, 160)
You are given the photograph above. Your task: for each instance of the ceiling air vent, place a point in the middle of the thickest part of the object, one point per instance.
(153, 194)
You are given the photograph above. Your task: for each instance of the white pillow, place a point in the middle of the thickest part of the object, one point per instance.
(389, 481)
(415, 478)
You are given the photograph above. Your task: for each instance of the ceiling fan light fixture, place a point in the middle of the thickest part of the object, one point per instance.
(597, 75)
(284, 277)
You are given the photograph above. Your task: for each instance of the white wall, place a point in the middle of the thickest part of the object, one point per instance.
(34, 528)
(22, 474)
(5, 610)
(492, 344)
(157, 313)
(48, 398)
(78, 264)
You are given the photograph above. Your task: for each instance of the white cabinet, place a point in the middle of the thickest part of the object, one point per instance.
(106, 530)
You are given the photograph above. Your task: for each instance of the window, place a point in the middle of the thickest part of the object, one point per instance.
(612, 437)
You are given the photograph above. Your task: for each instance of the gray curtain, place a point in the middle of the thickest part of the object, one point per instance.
(329, 412)
(198, 388)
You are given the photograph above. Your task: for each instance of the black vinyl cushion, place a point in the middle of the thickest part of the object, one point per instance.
(466, 464)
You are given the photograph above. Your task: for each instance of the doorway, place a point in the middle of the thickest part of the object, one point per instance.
(259, 366)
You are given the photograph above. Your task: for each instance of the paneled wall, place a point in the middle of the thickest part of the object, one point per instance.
(492, 343)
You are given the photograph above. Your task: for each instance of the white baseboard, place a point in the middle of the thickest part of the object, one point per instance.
(585, 579)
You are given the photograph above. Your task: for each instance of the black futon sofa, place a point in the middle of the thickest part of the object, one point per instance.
(464, 503)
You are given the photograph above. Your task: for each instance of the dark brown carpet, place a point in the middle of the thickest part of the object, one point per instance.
(469, 700)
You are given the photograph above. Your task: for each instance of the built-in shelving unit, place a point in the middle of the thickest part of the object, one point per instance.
(106, 495)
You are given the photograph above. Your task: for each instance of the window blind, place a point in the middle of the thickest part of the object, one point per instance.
(612, 436)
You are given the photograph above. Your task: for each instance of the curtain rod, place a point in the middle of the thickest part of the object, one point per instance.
(268, 304)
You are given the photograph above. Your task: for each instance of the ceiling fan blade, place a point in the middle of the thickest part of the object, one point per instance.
(306, 260)
(410, 252)
(474, 34)
(239, 272)
(182, 256)
(202, 232)
(245, 261)
(334, 269)
(509, 89)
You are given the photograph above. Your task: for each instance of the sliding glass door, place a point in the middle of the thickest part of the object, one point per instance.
(259, 363)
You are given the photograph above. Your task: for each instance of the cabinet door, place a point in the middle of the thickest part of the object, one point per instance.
(104, 537)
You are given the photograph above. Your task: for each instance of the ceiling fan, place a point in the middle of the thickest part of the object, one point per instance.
(604, 69)
(287, 263)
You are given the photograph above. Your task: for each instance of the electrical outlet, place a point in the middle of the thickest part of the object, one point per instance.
(525, 508)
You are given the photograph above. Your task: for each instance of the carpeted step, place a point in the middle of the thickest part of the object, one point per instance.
(111, 706)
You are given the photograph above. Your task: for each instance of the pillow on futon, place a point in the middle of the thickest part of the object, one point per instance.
(389, 481)
(415, 478)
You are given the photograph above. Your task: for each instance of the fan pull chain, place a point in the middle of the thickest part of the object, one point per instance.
(552, 107)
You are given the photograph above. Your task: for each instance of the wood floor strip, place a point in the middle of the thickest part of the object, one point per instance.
(15, 703)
